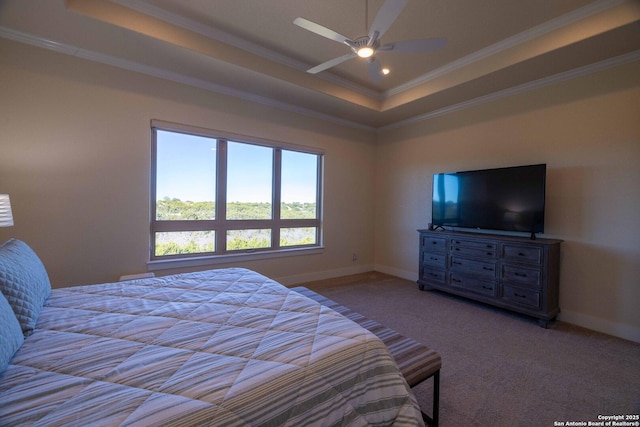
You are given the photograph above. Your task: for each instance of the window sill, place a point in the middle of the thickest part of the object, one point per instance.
(166, 264)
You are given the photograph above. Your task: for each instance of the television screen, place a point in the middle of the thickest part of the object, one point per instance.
(509, 199)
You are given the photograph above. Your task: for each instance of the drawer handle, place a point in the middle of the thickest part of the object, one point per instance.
(521, 254)
(487, 288)
(433, 275)
(490, 253)
(433, 258)
(434, 243)
(520, 274)
(457, 262)
(487, 268)
(515, 294)
(456, 280)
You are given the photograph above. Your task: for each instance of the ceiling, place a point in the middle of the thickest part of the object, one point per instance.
(251, 49)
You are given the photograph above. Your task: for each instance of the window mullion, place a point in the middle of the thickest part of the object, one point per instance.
(153, 191)
(277, 197)
(184, 225)
(319, 198)
(221, 197)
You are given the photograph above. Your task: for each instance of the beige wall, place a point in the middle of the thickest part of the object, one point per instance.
(75, 153)
(587, 131)
(75, 156)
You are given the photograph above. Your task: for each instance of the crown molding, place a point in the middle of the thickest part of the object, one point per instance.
(44, 43)
(125, 64)
(508, 43)
(230, 39)
(525, 87)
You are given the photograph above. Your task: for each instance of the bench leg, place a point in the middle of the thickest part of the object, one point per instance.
(433, 421)
(436, 398)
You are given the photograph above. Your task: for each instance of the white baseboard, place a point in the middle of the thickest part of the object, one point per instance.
(323, 275)
(403, 274)
(620, 330)
(615, 329)
(136, 276)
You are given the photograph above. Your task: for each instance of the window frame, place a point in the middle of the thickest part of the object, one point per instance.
(220, 225)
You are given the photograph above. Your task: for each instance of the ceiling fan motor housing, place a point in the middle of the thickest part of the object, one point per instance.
(363, 43)
(366, 46)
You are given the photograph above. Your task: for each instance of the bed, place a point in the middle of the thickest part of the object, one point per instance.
(227, 347)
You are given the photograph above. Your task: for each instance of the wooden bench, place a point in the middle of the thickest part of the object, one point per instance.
(416, 361)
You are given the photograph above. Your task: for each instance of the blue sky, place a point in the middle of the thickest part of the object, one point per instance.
(186, 170)
(450, 187)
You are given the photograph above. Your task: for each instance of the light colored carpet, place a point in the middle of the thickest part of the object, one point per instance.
(500, 368)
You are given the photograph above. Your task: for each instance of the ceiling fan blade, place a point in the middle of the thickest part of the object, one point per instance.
(331, 63)
(374, 67)
(321, 30)
(420, 45)
(388, 13)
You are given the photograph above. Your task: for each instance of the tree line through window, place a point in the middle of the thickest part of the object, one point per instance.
(215, 195)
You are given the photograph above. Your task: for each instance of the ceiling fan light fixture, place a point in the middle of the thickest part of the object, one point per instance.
(365, 47)
(365, 52)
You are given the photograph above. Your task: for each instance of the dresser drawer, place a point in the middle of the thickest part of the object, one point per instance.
(525, 297)
(434, 244)
(435, 260)
(530, 255)
(432, 275)
(468, 266)
(474, 244)
(484, 253)
(521, 275)
(474, 285)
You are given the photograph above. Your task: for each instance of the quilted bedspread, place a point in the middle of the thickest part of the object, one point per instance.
(225, 347)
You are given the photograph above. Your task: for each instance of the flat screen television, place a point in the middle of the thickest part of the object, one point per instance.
(506, 199)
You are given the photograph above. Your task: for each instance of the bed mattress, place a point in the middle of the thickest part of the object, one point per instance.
(225, 347)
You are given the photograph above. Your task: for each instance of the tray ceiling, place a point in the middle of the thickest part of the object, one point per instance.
(251, 49)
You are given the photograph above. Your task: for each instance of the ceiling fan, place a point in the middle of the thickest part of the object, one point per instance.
(367, 46)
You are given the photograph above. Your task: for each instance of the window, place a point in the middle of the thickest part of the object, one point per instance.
(217, 194)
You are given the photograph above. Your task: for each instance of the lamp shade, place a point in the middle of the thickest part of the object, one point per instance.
(6, 218)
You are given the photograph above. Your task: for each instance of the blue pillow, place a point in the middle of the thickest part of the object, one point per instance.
(11, 337)
(24, 282)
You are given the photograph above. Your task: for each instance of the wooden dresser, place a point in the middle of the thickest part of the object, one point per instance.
(515, 273)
